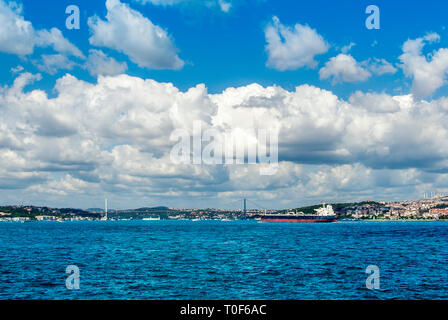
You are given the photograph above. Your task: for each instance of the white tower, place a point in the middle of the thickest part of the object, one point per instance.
(105, 209)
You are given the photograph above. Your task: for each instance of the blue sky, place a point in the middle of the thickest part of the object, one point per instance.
(223, 49)
(87, 114)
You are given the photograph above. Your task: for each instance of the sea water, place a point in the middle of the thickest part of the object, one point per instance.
(223, 260)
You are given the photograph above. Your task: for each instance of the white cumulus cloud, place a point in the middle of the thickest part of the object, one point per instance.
(375, 102)
(224, 5)
(17, 35)
(52, 63)
(428, 72)
(98, 63)
(128, 31)
(113, 137)
(382, 66)
(344, 68)
(291, 48)
(56, 40)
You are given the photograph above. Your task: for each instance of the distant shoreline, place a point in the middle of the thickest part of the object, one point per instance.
(391, 220)
(24, 220)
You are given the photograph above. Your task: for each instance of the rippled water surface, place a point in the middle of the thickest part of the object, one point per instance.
(223, 260)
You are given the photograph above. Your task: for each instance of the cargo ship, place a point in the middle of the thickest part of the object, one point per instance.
(323, 214)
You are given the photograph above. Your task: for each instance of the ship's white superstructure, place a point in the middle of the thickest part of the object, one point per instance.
(323, 214)
(325, 210)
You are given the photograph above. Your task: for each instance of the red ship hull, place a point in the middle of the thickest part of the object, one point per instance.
(297, 220)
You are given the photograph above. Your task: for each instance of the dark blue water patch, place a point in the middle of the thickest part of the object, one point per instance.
(223, 260)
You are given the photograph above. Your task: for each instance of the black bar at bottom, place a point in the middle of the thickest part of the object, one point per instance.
(232, 309)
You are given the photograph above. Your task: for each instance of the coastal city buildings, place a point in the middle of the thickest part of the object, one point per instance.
(434, 208)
